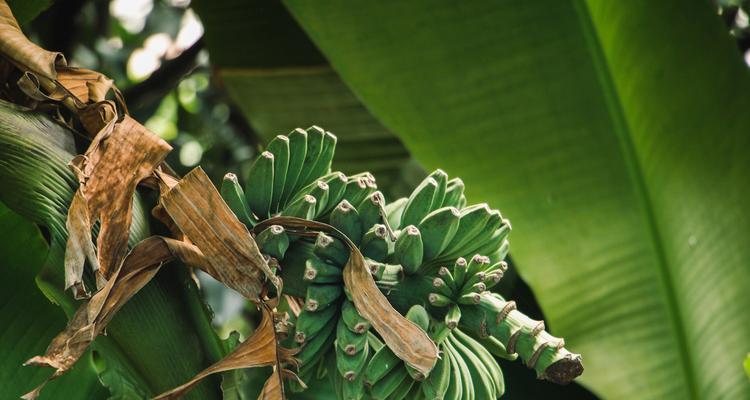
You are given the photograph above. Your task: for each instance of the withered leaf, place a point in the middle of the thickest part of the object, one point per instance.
(259, 350)
(21, 51)
(407, 340)
(201, 215)
(120, 156)
(86, 85)
(141, 264)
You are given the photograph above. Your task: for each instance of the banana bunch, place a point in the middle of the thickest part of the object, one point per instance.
(417, 250)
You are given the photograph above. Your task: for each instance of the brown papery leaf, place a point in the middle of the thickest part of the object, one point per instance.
(259, 350)
(120, 156)
(84, 84)
(407, 340)
(202, 216)
(21, 51)
(141, 264)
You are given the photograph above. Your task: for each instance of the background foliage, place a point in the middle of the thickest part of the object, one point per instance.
(613, 134)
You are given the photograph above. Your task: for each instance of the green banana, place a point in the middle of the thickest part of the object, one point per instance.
(383, 362)
(439, 300)
(497, 348)
(350, 341)
(409, 249)
(273, 241)
(374, 342)
(349, 366)
(345, 218)
(336, 182)
(459, 272)
(234, 196)
(441, 178)
(456, 385)
(453, 316)
(374, 244)
(419, 316)
(471, 222)
(323, 163)
(486, 359)
(484, 385)
(477, 263)
(314, 145)
(312, 349)
(453, 193)
(370, 209)
(419, 203)
(317, 189)
(469, 298)
(441, 287)
(438, 229)
(394, 210)
(359, 187)
(384, 387)
(259, 185)
(352, 319)
(320, 296)
(297, 155)
(493, 243)
(467, 382)
(304, 207)
(330, 249)
(279, 147)
(309, 323)
(352, 390)
(486, 240)
(319, 271)
(445, 274)
(436, 385)
(402, 390)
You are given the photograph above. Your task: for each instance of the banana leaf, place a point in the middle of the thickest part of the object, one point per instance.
(280, 81)
(166, 319)
(614, 134)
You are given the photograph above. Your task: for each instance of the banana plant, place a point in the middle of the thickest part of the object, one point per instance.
(434, 256)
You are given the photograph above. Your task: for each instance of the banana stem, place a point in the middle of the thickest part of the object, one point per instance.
(539, 350)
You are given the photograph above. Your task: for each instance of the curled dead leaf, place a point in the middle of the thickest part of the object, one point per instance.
(120, 156)
(407, 340)
(137, 269)
(200, 213)
(259, 350)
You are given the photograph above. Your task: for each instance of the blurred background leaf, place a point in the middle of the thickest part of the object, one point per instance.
(613, 135)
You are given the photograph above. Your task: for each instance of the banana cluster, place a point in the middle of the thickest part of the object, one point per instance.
(417, 250)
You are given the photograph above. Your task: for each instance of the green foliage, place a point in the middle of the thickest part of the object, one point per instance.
(614, 134)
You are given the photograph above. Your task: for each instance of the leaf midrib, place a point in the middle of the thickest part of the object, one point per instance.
(633, 167)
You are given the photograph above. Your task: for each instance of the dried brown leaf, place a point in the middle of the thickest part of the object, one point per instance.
(407, 340)
(201, 215)
(120, 156)
(259, 350)
(21, 51)
(141, 264)
(86, 85)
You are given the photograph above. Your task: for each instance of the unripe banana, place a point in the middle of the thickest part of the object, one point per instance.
(477, 263)
(386, 273)
(472, 220)
(331, 249)
(409, 249)
(441, 178)
(312, 350)
(297, 155)
(383, 388)
(349, 341)
(319, 271)
(359, 187)
(374, 342)
(441, 287)
(383, 362)
(370, 209)
(445, 274)
(419, 316)
(350, 366)
(374, 244)
(353, 390)
(336, 182)
(304, 207)
(314, 146)
(436, 385)
(345, 218)
(453, 193)
(321, 296)
(317, 189)
(438, 229)
(352, 319)
(484, 387)
(486, 359)
(279, 147)
(234, 196)
(273, 241)
(394, 210)
(402, 390)
(323, 163)
(439, 300)
(464, 387)
(453, 316)
(309, 323)
(459, 271)
(419, 203)
(259, 185)
(497, 348)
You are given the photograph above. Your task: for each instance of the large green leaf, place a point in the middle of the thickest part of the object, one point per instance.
(280, 81)
(162, 336)
(28, 321)
(614, 134)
